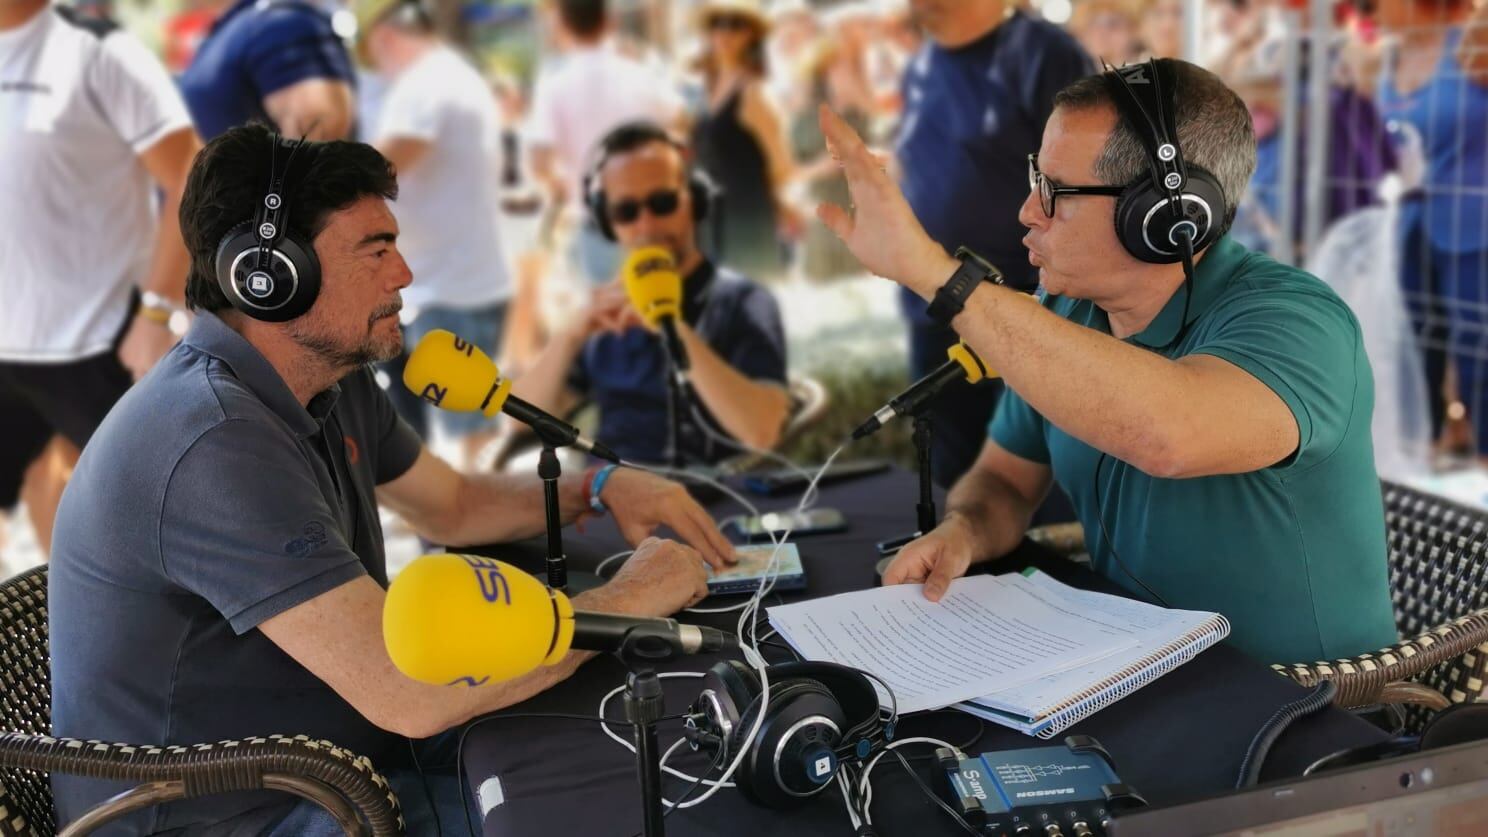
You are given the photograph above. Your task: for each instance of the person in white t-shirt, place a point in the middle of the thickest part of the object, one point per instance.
(90, 270)
(440, 126)
(593, 89)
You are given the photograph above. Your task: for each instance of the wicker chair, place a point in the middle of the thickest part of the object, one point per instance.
(343, 783)
(1439, 586)
(1438, 557)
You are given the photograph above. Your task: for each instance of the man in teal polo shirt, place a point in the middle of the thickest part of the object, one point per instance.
(1217, 448)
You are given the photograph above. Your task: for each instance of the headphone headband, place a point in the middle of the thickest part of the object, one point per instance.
(272, 213)
(1176, 210)
(1145, 97)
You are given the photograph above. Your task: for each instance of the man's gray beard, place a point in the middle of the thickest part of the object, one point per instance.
(340, 357)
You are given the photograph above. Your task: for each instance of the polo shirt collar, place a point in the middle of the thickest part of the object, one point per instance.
(1211, 275)
(695, 288)
(210, 335)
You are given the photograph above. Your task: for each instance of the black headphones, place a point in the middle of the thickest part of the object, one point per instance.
(819, 714)
(1146, 221)
(264, 270)
(633, 134)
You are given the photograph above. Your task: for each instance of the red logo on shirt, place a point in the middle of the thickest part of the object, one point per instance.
(353, 453)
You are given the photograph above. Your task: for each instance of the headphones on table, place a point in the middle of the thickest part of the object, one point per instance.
(818, 715)
(699, 185)
(1146, 221)
(265, 271)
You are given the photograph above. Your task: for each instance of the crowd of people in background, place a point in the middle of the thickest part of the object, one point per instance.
(499, 174)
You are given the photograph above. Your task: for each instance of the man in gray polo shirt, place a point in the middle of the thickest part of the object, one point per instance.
(219, 570)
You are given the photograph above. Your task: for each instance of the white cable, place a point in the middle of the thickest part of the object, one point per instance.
(664, 756)
(865, 787)
(748, 639)
(604, 725)
(750, 647)
(599, 570)
(729, 609)
(847, 798)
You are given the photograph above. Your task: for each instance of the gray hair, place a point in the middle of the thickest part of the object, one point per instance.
(1214, 132)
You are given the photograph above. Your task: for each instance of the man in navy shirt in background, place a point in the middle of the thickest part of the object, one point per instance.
(730, 329)
(275, 61)
(975, 102)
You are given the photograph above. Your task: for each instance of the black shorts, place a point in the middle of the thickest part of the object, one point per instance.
(38, 400)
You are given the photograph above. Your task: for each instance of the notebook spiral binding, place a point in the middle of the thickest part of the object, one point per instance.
(1133, 677)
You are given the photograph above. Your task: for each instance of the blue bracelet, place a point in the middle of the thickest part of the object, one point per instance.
(600, 477)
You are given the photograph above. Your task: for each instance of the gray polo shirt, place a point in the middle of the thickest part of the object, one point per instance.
(208, 501)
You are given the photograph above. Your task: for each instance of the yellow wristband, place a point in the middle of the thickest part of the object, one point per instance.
(159, 316)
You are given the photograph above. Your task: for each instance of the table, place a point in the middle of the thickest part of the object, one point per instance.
(1181, 737)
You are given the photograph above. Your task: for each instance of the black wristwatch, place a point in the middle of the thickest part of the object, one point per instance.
(951, 297)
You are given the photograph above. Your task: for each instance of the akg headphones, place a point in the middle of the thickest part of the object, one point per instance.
(264, 270)
(701, 186)
(1145, 97)
(818, 715)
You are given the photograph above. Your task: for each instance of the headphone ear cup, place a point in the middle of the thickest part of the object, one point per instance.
(1210, 207)
(793, 758)
(1146, 229)
(595, 199)
(283, 290)
(739, 683)
(702, 195)
(1132, 208)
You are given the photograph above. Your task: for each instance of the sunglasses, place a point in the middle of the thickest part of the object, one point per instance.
(730, 23)
(661, 203)
(1048, 192)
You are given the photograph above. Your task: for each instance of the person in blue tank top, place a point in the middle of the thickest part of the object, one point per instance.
(1435, 86)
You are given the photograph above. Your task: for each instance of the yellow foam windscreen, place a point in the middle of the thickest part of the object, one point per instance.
(653, 283)
(975, 369)
(453, 374)
(470, 620)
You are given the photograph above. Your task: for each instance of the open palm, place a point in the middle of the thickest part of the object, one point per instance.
(880, 229)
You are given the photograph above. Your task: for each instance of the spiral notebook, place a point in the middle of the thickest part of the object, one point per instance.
(1021, 650)
(1161, 640)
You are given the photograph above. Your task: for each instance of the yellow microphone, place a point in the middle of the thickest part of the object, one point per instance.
(963, 363)
(655, 289)
(470, 620)
(453, 374)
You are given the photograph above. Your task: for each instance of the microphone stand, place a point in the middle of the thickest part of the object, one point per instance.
(925, 515)
(644, 705)
(549, 470)
(674, 420)
(676, 392)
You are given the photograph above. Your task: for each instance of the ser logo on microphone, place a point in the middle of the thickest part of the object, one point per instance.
(462, 346)
(652, 264)
(493, 585)
(434, 393)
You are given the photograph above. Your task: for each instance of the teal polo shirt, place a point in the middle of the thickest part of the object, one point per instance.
(1294, 554)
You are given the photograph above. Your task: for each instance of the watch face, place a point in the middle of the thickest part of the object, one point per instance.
(989, 271)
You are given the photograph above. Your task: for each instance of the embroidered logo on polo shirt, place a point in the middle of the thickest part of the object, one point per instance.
(353, 451)
(312, 537)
